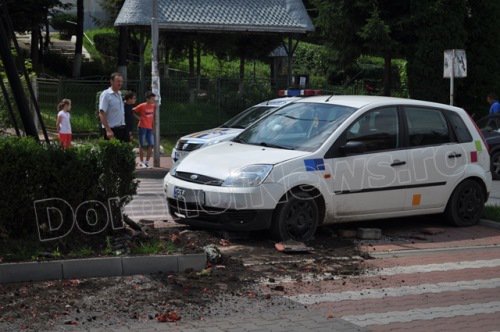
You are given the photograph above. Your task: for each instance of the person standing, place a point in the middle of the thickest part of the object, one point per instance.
(112, 110)
(63, 123)
(130, 100)
(146, 113)
(492, 99)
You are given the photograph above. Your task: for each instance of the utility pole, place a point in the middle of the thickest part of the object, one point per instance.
(155, 81)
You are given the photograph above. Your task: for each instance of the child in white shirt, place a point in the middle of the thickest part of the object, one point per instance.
(63, 123)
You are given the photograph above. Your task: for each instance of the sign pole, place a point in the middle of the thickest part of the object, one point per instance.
(155, 81)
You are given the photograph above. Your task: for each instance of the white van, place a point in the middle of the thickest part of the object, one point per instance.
(330, 159)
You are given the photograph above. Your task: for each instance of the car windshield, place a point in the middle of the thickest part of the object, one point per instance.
(300, 126)
(248, 116)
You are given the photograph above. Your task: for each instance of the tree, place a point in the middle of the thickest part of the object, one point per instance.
(353, 27)
(29, 15)
(483, 49)
(433, 35)
(77, 61)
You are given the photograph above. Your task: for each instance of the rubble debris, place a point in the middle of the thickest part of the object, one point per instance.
(291, 246)
(347, 233)
(278, 288)
(432, 231)
(213, 253)
(369, 233)
(224, 243)
(169, 316)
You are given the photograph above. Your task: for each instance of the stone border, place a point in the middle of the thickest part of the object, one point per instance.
(489, 223)
(100, 267)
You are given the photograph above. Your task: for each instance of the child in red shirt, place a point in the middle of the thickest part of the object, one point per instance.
(145, 112)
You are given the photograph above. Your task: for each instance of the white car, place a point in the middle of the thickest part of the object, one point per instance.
(331, 159)
(228, 130)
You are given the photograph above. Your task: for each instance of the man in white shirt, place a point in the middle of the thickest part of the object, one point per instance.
(112, 112)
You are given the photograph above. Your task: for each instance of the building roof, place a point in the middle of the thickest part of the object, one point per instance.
(261, 16)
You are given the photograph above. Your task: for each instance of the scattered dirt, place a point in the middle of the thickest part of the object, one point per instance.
(249, 262)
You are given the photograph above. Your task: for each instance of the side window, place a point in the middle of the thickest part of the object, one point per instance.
(459, 127)
(426, 127)
(378, 130)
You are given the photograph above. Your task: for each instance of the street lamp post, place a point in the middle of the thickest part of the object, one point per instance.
(155, 81)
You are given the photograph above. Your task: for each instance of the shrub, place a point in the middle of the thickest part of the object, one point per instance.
(60, 22)
(30, 171)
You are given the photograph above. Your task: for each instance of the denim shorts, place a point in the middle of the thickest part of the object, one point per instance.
(146, 137)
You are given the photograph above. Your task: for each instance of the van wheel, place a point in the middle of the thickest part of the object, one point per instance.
(466, 204)
(495, 165)
(296, 218)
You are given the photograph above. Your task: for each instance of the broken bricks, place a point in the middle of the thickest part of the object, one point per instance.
(291, 246)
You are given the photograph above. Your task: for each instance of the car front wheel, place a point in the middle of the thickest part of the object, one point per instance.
(466, 204)
(296, 218)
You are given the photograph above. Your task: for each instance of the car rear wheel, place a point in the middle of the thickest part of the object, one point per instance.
(466, 204)
(495, 165)
(296, 218)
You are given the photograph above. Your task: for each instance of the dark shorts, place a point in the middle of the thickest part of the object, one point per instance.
(146, 137)
(121, 133)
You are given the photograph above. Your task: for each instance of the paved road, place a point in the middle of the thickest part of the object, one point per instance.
(423, 277)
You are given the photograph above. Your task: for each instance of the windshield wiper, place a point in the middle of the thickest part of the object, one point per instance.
(270, 145)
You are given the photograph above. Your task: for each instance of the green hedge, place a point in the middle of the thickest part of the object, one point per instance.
(30, 172)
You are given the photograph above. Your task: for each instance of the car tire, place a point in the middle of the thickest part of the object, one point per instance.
(495, 165)
(466, 204)
(296, 218)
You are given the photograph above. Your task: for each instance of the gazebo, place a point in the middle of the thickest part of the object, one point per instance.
(286, 18)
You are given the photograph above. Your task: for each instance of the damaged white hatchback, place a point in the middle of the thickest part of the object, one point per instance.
(330, 159)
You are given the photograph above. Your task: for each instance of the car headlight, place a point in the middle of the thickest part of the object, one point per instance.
(173, 171)
(248, 176)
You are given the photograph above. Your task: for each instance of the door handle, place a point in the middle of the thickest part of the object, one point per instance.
(454, 155)
(398, 163)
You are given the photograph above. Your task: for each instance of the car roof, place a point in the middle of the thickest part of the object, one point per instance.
(362, 101)
(278, 101)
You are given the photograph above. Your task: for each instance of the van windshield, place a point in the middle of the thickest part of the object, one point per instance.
(299, 126)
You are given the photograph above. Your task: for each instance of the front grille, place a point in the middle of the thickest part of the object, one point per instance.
(198, 178)
(183, 145)
(211, 214)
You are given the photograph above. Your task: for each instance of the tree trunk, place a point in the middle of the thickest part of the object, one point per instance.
(387, 73)
(35, 55)
(77, 62)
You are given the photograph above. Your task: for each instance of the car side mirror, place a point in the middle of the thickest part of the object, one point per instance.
(353, 147)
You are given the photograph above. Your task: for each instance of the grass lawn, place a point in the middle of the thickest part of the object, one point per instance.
(492, 213)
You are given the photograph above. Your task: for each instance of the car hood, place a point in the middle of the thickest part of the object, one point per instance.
(219, 160)
(215, 134)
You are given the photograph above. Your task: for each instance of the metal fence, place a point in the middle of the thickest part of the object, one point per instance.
(187, 104)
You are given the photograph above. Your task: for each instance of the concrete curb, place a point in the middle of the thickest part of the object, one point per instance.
(489, 223)
(100, 267)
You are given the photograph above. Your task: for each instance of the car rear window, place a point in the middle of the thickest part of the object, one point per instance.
(461, 131)
(426, 126)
